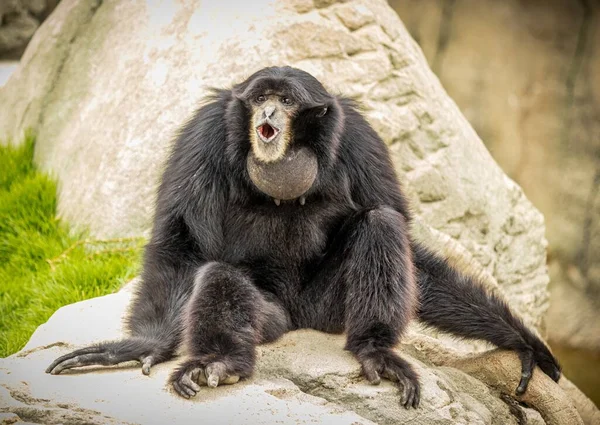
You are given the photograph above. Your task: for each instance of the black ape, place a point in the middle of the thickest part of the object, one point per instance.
(230, 266)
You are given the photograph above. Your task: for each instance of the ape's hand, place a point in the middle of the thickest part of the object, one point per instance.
(536, 354)
(146, 351)
(188, 377)
(386, 363)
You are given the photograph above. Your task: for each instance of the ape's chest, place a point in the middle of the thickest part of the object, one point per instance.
(284, 235)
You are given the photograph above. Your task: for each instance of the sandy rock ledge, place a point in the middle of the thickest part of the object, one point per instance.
(306, 377)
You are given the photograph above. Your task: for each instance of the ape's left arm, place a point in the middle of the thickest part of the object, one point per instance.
(456, 303)
(448, 299)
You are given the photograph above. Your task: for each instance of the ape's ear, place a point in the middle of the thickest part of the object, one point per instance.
(240, 93)
(245, 90)
(317, 110)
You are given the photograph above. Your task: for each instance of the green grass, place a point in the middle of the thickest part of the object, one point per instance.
(44, 264)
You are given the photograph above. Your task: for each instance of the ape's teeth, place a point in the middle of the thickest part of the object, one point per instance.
(302, 200)
(277, 201)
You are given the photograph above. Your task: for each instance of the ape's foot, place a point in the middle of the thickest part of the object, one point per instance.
(111, 353)
(538, 355)
(384, 363)
(190, 375)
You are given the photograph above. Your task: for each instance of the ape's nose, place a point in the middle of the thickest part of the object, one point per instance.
(269, 111)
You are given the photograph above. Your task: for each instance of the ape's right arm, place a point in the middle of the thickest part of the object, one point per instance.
(187, 232)
(153, 323)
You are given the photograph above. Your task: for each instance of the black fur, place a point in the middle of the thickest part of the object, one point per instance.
(227, 269)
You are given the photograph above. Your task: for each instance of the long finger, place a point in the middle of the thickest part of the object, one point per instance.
(84, 360)
(196, 374)
(189, 391)
(407, 389)
(549, 366)
(527, 365)
(411, 397)
(180, 390)
(417, 398)
(76, 353)
(187, 382)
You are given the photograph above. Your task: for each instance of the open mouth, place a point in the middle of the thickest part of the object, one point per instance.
(267, 132)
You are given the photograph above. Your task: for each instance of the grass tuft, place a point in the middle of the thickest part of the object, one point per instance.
(44, 264)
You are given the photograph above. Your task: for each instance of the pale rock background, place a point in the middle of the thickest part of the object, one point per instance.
(526, 74)
(19, 19)
(106, 84)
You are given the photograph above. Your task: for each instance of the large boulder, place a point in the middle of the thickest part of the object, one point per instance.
(105, 86)
(527, 77)
(306, 377)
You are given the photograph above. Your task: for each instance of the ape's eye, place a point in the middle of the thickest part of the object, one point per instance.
(286, 101)
(260, 99)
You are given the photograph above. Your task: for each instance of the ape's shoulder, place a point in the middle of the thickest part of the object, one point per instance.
(207, 128)
(366, 159)
(202, 138)
(359, 140)
(197, 158)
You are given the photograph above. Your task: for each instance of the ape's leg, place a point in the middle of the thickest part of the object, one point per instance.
(459, 304)
(154, 325)
(370, 271)
(224, 319)
(154, 322)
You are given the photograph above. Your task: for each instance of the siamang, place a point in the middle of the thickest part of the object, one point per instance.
(279, 209)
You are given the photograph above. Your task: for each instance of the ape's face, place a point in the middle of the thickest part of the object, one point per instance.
(270, 129)
(286, 128)
(275, 98)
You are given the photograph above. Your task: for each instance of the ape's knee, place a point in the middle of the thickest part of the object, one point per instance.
(382, 226)
(221, 277)
(220, 290)
(384, 217)
(227, 313)
(217, 271)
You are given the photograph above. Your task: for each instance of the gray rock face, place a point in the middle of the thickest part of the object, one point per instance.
(18, 21)
(106, 86)
(535, 100)
(6, 69)
(306, 377)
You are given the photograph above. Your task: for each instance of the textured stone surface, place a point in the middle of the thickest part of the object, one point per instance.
(106, 86)
(527, 77)
(306, 377)
(6, 69)
(18, 21)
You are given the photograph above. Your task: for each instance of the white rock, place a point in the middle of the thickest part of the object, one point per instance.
(306, 377)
